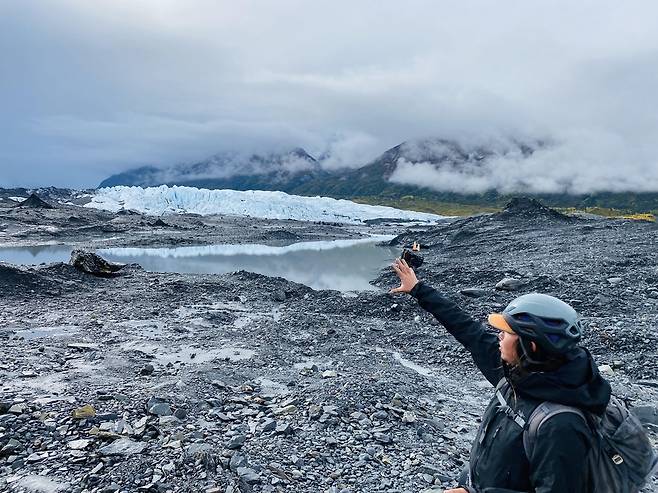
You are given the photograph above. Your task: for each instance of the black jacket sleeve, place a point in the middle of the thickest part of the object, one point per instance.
(482, 344)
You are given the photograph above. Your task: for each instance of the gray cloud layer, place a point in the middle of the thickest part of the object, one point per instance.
(91, 88)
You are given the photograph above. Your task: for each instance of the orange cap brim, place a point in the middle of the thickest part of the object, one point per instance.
(497, 321)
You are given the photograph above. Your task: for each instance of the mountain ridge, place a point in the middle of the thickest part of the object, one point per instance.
(380, 181)
(232, 170)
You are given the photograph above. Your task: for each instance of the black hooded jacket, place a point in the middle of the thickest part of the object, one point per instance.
(498, 462)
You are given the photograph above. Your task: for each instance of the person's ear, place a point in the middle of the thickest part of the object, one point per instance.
(533, 346)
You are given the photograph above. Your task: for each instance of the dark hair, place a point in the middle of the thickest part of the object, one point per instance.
(537, 360)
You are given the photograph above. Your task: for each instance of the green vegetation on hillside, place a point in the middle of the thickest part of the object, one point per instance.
(612, 213)
(418, 204)
(421, 204)
(371, 186)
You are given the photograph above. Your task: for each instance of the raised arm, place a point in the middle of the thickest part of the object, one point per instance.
(482, 344)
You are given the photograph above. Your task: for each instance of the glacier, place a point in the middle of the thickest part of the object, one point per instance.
(164, 199)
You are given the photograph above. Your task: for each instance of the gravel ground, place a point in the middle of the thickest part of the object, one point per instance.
(241, 382)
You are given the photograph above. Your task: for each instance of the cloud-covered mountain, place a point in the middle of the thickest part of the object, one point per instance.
(177, 87)
(420, 173)
(430, 169)
(421, 163)
(231, 170)
(296, 168)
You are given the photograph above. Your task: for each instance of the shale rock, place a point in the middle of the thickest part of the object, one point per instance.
(124, 447)
(509, 284)
(474, 292)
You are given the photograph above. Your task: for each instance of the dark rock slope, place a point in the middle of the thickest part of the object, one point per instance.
(607, 269)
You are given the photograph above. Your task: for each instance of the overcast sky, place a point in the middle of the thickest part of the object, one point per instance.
(89, 88)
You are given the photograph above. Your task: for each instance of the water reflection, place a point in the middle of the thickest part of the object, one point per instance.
(344, 265)
(35, 254)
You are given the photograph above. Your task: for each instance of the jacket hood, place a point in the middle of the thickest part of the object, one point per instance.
(577, 383)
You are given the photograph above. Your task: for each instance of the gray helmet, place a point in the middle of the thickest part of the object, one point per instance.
(550, 323)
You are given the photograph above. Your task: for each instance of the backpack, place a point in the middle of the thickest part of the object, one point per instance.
(621, 458)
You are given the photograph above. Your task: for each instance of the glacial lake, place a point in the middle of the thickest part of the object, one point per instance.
(344, 265)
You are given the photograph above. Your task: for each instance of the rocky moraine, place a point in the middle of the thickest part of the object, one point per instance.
(155, 382)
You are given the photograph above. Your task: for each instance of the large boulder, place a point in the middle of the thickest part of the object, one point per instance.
(94, 264)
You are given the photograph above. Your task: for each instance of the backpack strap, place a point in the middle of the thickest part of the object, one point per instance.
(542, 413)
(518, 418)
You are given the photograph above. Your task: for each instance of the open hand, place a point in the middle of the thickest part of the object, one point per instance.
(407, 276)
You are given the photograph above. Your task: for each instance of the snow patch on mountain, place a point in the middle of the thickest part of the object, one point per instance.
(255, 203)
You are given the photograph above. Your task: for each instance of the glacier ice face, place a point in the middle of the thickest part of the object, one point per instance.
(255, 203)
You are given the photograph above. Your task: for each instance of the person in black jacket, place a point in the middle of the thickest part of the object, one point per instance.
(533, 359)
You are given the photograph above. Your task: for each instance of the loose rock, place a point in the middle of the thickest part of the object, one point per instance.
(124, 447)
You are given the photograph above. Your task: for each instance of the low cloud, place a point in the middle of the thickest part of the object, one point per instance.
(228, 164)
(585, 162)
(91, 90)
(349, 151)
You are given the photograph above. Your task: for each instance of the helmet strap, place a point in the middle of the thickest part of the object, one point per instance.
(526, 354)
